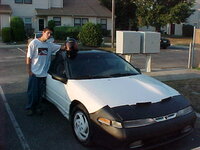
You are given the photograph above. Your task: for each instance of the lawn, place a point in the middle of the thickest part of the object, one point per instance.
(180, 40)
(190, 88)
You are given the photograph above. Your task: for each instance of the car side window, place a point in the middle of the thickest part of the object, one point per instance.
(57, 66)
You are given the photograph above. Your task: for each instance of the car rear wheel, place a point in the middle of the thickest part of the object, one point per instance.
(81, 125)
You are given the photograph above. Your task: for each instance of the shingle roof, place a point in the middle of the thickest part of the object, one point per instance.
(83, 8)
(5, 9)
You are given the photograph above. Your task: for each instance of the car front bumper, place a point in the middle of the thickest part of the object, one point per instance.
(146, 136)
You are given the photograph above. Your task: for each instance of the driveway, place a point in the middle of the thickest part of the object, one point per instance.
(50, 131)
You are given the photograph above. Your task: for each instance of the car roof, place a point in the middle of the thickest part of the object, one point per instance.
(93, 51)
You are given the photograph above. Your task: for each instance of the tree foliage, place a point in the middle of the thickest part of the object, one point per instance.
(91, 35)
(6, 34)
(17, 29)
(158, 13)
(51, 24)
(124, 12)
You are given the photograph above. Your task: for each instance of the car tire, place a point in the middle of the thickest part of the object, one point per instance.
(81, 125)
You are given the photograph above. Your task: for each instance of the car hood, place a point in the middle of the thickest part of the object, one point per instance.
(129, 90)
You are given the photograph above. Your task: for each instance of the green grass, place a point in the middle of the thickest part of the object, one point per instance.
(197, 68)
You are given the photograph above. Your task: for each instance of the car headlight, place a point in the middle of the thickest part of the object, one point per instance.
(184, 111)
(108, 122)
(138, 123)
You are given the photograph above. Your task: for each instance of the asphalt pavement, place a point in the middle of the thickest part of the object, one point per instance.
(163, 74)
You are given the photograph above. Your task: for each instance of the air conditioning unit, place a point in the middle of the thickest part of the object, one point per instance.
(128, 42)
(150, 42)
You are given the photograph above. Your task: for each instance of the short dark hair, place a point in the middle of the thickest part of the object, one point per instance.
(47, 28)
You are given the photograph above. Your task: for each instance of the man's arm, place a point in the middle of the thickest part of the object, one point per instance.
(28, 66)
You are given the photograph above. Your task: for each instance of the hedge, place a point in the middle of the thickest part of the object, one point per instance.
(6, 34)
(91, 35)
(17, 28)
(62, 32)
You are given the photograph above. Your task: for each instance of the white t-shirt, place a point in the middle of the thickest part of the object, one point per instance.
(40, 54)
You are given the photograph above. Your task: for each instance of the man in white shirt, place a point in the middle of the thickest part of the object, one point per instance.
(38, 62)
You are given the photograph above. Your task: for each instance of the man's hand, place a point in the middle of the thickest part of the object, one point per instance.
(30, 73)
(63, 47)
(28, 66)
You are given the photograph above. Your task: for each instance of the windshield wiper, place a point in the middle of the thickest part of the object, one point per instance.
(93, 77)
(106, 76)
(122, 74)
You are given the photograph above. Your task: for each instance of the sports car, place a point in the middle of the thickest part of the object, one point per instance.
(107, 99)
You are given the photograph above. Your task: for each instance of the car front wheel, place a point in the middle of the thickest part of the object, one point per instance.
(81, 125)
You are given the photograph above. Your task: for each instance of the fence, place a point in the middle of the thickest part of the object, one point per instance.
(194, 51)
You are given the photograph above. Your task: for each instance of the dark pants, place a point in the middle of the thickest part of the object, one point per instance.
(36, 88)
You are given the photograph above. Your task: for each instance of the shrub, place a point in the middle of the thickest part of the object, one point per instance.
(51, 24)
(61, 33)
(6, 34)
(17, 29)
(106, 33)
(91, 35)
(188, 30)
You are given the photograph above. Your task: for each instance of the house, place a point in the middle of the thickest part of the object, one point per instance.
(37, 13)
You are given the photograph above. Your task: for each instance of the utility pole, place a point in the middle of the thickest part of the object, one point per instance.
(113, 24)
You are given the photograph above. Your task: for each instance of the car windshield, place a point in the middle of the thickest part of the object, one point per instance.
(99, 65)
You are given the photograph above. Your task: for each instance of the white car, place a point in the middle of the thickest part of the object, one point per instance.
(108, 100)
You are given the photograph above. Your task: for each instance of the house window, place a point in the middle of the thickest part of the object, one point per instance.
(84, 21)
(18, 1)
(27, 1)
(28, 23)
(57, 21)
(103, 23)
(80, 21)
(77, 22)
(24, 1)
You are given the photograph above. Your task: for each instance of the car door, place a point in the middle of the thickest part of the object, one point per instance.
(56, 87)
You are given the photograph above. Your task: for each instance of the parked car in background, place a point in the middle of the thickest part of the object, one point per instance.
(164, 43)
(107, 99)
(39, 34)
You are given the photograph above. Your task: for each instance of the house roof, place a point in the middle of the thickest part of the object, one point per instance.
(77, 8)
(5, 9)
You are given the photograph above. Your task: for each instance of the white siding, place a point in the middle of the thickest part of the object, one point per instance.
(109, 24)
(178, 29)
(26, 9)
(56, 3)
(67, 21)
(4, 20)
(93, 20)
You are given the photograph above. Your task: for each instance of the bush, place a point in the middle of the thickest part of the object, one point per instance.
(188, 30)
(6, 34)
(91, 35)
(61, 33)
(17, 29)
(106, 33)
(51, 24)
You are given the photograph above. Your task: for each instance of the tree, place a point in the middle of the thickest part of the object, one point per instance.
(125, 13)
(17, 29)
(91, 35)
(158, 13)
(51, 24)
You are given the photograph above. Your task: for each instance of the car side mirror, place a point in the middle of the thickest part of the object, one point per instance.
(59, 78)
(138, 69)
